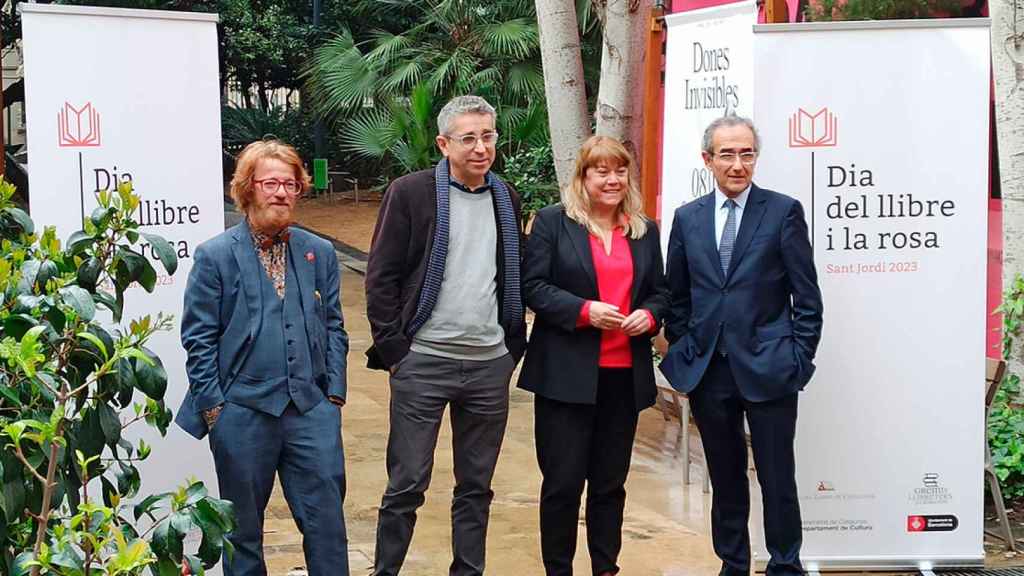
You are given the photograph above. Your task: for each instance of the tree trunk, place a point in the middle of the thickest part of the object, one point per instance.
(1008, 69)
(563, 82)
(246, 89)
(261, 93)
(620, 97)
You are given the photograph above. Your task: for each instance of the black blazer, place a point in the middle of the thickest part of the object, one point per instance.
(558, 277)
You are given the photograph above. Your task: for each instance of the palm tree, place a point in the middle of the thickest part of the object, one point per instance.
(383, 92)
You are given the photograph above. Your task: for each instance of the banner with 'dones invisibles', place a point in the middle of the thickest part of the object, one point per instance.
(708, 69)
(881, 131)
(131, 96)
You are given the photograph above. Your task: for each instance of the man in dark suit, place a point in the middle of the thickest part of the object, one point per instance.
(266, 347)
(743, 325)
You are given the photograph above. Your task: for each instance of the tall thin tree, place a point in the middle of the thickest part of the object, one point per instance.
(563, 82)
(1008, 69)
(620, 97)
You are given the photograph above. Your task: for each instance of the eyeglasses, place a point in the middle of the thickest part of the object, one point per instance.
(272, 185)
(746, 158)
(468, 141)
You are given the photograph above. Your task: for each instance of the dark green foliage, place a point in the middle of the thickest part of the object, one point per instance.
(1006, 420)
(835, 10)
(70, 386)
(532, 172)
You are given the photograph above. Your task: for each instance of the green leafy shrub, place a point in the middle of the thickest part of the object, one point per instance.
(1006, 420)
(836, 10)
(70, 387)
(240, 126)
(532, 172)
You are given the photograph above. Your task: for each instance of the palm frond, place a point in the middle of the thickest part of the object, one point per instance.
(508, 118)
(413, 158)
(403, 77)
(525, 80)
(532, 130)
(453, 72)
(240, 126)
(587, 16)
(421, 106)
(516, 38)
(372, 134)
(487, 80)
(339, 78)
(387, 47)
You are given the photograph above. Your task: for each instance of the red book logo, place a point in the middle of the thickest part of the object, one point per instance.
(78, 127)
(808, 130)
(916, 524)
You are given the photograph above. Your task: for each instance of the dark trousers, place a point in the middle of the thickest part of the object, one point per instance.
(719, 409)
(420, 389)
(249, 447)
(590, 443)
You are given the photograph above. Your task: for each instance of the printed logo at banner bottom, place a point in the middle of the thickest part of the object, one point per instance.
(78, 127)
(935, 523)
(816, 130)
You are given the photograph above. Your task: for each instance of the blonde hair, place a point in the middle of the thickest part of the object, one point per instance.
(242, 186)
(576, 200)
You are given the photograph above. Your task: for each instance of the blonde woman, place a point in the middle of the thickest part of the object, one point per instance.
(593, 275)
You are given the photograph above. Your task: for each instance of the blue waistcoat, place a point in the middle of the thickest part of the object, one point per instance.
(278, 369)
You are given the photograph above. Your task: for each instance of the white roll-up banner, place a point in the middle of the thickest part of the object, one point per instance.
(120, 95)
(708, 68)
(881, 130)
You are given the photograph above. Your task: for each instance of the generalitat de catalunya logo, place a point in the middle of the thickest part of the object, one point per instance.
(817, 130)
(78, 127)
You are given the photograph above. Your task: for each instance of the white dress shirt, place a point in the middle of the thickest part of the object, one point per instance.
(722, 212)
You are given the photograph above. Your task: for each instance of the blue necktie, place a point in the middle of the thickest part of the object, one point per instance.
(728, 236)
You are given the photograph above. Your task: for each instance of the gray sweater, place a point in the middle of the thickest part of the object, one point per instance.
(464, 323)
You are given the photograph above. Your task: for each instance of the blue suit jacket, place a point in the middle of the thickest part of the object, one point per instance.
(223, 311)
(767, 308)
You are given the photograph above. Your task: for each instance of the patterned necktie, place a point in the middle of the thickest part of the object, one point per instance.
(728, 236)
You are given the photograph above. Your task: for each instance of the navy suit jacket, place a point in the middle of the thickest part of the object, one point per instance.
(223, 312)
(767, 308)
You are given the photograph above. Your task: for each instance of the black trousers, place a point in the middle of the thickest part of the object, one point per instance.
(590, 443)
(719, 409)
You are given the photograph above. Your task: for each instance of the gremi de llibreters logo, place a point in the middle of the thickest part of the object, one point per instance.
(78, 127)
(931, 491)
(813, 130)
(932, 523)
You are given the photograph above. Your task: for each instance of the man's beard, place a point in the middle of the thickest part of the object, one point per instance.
(271, 221)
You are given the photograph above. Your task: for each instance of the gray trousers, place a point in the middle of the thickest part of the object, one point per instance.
(421, 388)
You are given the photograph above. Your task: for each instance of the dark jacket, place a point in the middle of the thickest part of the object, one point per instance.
(767, 309)
(558, 276)
(401, 246)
